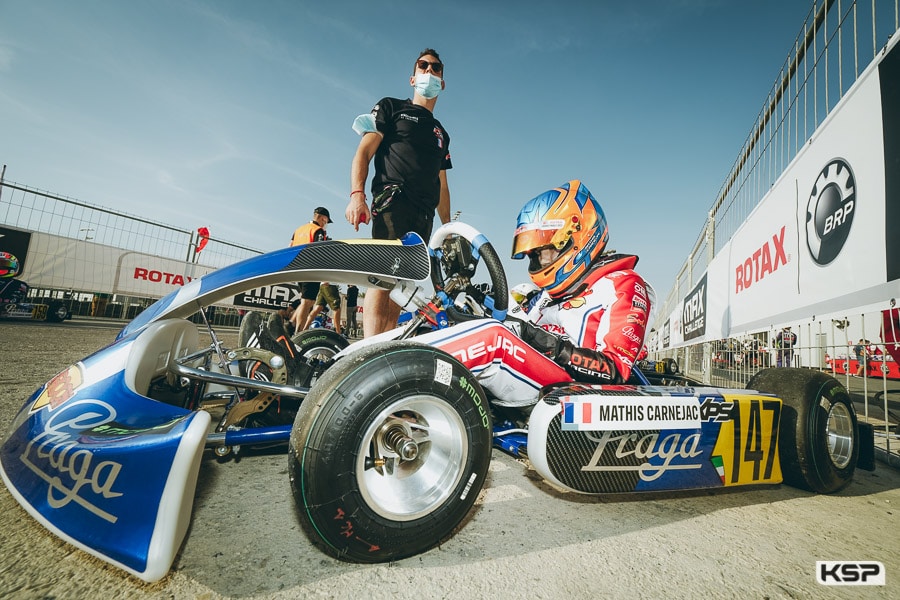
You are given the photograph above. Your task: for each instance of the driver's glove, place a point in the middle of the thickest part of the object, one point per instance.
(582, 364)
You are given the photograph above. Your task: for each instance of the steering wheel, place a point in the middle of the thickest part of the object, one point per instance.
(456, 249)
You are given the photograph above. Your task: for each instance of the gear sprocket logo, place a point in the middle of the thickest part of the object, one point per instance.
(829, 213)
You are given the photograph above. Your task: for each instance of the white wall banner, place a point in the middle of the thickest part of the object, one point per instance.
(816, 244)
(140, 274)
(64, 263)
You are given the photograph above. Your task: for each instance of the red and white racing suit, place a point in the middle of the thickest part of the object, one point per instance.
(609, 317)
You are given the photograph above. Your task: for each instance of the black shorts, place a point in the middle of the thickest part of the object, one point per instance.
(310, 290)
(400, 217)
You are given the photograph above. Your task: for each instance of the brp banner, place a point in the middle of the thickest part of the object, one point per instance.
(268, 297)
(817, 243)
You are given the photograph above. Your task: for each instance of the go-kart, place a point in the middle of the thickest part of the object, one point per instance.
(14, 304)
(389, 439)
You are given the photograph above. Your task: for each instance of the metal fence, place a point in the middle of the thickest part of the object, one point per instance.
(836, 41)
(35, 210)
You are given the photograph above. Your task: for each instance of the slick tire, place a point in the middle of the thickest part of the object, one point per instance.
(389, 451)
(319, 342)
(671, 366)
(57, 313)
(315, 348)
(818, 436)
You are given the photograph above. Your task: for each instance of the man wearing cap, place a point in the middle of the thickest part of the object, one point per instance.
(314, 231)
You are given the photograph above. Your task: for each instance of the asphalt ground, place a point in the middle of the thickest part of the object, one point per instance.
(524, 539)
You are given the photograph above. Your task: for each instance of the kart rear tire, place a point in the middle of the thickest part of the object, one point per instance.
(671, 366)
(355, 497)
(317, 347)
(818, 436)
(319, 342)
(57, 313)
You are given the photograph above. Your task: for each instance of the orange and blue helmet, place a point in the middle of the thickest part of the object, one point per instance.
(568, 219)
(9, 265)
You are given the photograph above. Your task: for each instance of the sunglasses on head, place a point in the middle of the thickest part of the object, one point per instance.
(436, 67)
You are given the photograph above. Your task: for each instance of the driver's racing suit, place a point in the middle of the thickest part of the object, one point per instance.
(592, 335)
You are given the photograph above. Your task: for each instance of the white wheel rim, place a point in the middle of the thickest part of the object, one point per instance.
(403, 490)
(839, 430)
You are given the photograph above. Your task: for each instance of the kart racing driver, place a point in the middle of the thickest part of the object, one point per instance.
(589, 321)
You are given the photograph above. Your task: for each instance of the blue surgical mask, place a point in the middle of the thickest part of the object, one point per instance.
(364, 124)
(427, 85)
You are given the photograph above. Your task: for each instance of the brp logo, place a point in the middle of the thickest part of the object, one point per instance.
(829, 213)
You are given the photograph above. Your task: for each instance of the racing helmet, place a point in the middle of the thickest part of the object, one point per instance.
(569, 219)
(524, 292)
(9, 265)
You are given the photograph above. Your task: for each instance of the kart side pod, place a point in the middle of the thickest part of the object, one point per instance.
(800, 427)
(595, 440)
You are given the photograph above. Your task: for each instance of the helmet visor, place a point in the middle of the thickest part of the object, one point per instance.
(532, 236)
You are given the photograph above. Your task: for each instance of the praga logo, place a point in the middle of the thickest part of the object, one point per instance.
(657, 453)
(830, 210)
(74, 473)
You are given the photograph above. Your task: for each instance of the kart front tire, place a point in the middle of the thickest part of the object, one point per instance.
(389, 452)
(818, 436)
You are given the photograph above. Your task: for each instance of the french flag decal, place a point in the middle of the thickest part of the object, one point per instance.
(575, 414)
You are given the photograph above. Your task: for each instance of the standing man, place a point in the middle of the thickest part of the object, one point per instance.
(352, 296)
(411, 152)
(784, 342)
(314, 231)
(860, 351)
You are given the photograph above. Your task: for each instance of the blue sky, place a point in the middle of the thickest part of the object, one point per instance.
(236, 115)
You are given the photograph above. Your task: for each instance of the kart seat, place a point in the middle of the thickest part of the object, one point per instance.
(155, 349)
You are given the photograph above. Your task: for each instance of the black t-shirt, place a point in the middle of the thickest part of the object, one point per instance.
(415, 148)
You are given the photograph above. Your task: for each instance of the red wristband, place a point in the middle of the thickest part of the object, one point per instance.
(363, 192)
